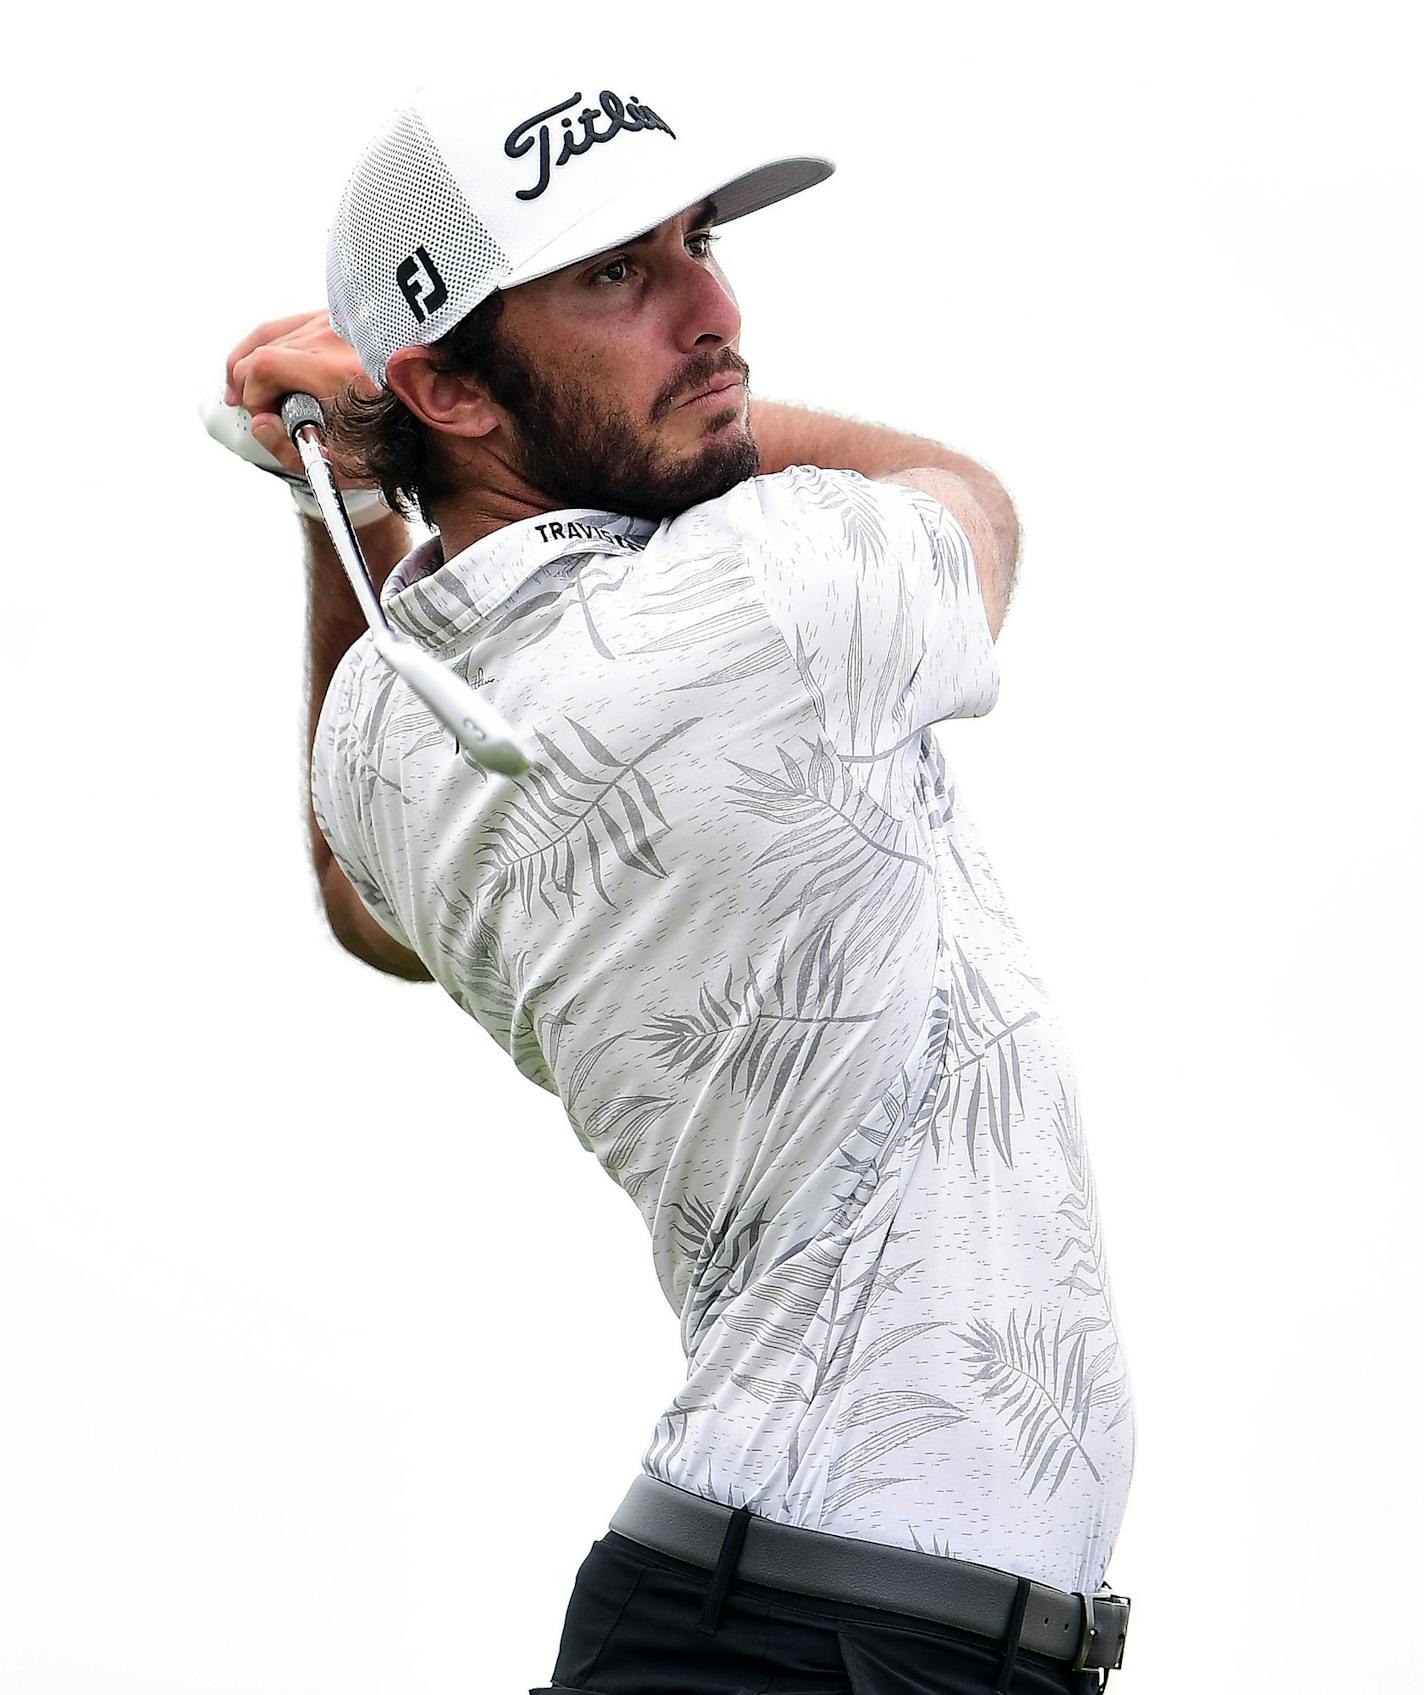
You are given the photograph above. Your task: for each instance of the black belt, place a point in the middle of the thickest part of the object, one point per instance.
(1086, 1632)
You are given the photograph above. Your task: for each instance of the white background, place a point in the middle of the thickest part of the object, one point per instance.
(326, 1351)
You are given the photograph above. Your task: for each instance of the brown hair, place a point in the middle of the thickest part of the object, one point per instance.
(376, 438)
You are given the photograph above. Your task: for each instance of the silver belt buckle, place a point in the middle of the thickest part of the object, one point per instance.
(1090, 1629)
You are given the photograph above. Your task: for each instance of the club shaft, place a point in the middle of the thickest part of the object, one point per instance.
(475, 724)
(339, 526)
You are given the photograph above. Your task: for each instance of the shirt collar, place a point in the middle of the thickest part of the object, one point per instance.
(435, 601)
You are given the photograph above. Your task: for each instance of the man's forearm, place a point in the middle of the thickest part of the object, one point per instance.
(335, 622)
(797, 435)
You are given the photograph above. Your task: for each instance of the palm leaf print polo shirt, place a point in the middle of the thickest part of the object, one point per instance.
(739, 919)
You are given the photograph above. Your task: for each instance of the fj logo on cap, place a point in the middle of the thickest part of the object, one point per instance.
(536, 130)
(421, 284)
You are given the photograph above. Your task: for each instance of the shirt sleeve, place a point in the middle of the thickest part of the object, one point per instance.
(344, 781)
(877, 593)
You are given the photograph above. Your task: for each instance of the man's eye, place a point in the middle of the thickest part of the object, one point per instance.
(623, 262)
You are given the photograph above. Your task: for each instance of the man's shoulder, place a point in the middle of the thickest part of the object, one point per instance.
(800, 486)
(793, 504)
(348, 686)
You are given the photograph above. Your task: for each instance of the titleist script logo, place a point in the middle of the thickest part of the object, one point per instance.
(421, 284)
(535, 131)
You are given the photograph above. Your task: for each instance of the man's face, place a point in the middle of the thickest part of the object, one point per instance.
(597, 365)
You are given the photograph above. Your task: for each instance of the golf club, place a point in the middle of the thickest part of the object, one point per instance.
(476, 725)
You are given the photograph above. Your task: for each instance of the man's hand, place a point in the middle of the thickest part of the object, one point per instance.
(298, 353)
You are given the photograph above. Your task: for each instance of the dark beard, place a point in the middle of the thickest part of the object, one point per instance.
(578, 452)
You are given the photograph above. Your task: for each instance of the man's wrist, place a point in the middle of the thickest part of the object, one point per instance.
(363, 505)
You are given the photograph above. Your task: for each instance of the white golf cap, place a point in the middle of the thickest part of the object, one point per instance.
(465, 191)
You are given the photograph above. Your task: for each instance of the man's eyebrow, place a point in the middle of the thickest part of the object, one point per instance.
(706, 213)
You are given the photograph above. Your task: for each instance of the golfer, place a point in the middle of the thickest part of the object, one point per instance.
(736, 914)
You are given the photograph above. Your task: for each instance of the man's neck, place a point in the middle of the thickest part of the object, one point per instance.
(491, 495)
(470, 516)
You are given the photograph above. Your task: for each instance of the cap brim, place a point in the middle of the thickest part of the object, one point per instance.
(628, 216)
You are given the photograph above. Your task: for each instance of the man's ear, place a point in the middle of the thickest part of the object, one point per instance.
(445, 401)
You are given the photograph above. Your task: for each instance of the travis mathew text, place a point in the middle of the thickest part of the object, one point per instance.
(574, 531)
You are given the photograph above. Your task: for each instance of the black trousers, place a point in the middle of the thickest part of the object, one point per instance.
(634, 1627)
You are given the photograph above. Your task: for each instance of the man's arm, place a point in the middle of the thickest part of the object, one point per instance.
(334, 623)
(795, 435)
(302, 354)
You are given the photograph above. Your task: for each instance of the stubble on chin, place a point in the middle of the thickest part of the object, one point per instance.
(724, 458)
(590, 456)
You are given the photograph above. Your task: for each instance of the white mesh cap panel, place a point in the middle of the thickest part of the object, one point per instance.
(406, 257)
(458, 196)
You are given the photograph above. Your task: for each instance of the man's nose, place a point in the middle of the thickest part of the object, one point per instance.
(708, 309)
